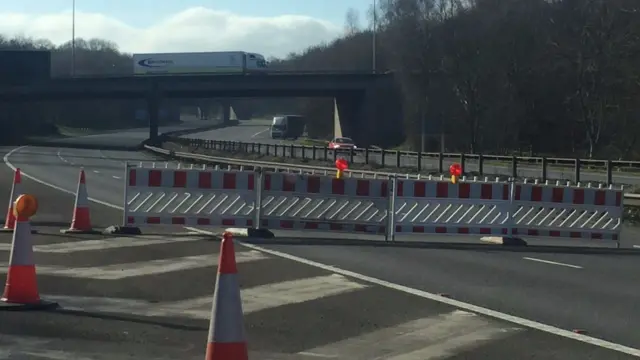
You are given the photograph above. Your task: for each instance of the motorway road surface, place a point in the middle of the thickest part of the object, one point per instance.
(258, 131)
(149, 297)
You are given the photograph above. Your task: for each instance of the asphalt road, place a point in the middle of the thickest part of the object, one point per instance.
(138, 309)
(258, 131)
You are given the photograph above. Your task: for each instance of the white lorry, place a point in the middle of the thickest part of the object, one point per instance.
(229, 62)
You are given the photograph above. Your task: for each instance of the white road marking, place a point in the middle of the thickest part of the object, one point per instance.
(96, 171)
(116, 177)
(253, 299)
(143, 268)
(636, 246)
(443, 300)
(111, 243)
(70, 192)
(258, 133)
(552, 262)
(429, 338)
(417, 292)
(60, 156)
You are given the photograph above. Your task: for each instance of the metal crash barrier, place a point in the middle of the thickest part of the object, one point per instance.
(280, 201)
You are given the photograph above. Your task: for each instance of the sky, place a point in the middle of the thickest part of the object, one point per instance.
(272, 27)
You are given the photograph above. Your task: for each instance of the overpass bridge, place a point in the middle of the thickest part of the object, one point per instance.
(348, 89)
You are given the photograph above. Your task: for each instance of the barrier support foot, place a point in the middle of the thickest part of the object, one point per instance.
(504, 240)
(261, 233)
(122, 230)
(40, 305)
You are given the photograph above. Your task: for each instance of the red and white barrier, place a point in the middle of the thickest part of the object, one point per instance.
(311, 202)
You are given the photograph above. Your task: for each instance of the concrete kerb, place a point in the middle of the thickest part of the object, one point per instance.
(42, 305)
(504, 240)
(250, 233)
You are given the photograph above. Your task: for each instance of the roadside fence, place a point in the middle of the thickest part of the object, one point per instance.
(542, 168)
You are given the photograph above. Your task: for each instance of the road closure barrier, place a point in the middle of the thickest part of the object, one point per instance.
(393, 206)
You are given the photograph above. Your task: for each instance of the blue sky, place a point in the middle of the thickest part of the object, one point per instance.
(272, 27)
(145, 12)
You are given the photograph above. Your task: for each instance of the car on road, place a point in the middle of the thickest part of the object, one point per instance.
(340, 144)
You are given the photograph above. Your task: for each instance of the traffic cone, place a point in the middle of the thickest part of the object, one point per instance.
(227, 339)
(81, 222)
(21, 288)
(16, 190)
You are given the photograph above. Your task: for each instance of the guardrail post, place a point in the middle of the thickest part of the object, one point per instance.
(259, 148)
(258, 200)
(440, 162)
(514, 166)
(292, 151)
(462, 161)
(480, 164)
(545, 165)
(126, 194)
(326, 153)
(382, 157)
(390, 233)
(419, 165)
(335, 155)
(284, 151)
(313, 152)
(366, 156)
(275, 149)
(398, 159)
(609, 172)
(352, 155)
(511, 220)
(577, 170)
(253, 147)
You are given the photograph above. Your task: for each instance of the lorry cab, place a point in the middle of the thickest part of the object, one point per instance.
(287, 126)
(255, 63)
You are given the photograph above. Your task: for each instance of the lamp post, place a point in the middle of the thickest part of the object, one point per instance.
(373, 37)
(73, 38)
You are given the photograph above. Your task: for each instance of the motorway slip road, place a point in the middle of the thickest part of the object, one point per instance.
(150, 298)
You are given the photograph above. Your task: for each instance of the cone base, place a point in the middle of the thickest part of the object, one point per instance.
(7, 230)
(78, 231)
(227, 351)
(38, 305)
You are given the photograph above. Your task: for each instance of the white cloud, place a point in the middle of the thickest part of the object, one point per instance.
(194, 29)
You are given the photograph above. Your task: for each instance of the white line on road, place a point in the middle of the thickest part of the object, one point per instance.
(387, 284)
(96, 171)
(430, 338)
(116, 177)
(254, 299)
(443, 300)
(111, 243)
(143, 268)
(552, 262)
(260, 132)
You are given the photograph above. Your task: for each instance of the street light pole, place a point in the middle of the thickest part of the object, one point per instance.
(73, 38)
(373, 37)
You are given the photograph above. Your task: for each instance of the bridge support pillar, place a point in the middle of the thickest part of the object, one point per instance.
(153, 109)
(347, 114)
(226, 112)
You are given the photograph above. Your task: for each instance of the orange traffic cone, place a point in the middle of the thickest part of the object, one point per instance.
(227, 339)
(81, 222)
(16, 190)
(21, 288)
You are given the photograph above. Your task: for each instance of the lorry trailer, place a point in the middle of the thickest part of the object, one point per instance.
(229, 62)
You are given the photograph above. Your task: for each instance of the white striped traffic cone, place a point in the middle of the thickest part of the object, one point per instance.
(227, 340)
(16, 190)
(21, 288)
(81, 222)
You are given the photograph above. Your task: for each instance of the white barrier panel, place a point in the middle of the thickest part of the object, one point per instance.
(440, 207)
(311, 202)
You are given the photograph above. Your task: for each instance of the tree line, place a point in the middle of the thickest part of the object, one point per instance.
(539, 77)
